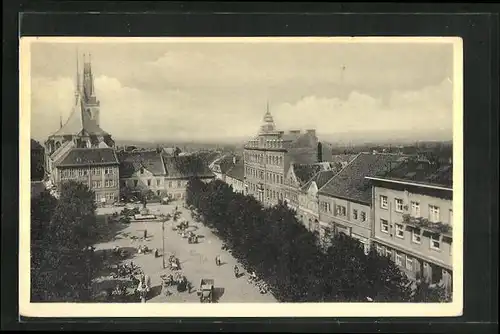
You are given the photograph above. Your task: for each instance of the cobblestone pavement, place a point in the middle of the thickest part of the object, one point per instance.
(197, 260)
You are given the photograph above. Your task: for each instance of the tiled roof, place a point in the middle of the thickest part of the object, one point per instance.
(186, 166)
(130, 162)
(420, 171)
(78, 121)
(89, 156)
(225, 163)
(350, 182)
(208, 157)
(237, 171)
(341, 158)
(321, 178)
(304, 172)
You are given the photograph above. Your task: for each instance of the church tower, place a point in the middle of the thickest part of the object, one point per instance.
(90, 103)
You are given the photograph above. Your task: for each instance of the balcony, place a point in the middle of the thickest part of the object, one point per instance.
(425, 224)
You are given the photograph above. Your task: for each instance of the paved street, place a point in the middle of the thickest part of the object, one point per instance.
(197, 260)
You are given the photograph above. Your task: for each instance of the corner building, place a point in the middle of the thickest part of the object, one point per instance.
(268, 156)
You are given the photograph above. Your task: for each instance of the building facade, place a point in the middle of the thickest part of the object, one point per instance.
(413, 220)
(268, 156)
(345, 201)
(235, 178)
(308, 208)
(96, 168)
(153, 174)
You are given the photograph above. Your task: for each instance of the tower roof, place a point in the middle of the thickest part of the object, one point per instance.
(79, 121)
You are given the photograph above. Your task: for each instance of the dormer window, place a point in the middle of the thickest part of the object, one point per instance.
(142, 170)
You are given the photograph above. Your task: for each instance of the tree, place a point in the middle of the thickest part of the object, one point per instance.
(425, 292)
(74, 223)
(320, 152)
(61, 268)
(37, 161)
(274, 244)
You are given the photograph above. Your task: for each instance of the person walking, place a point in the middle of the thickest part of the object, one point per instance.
(145, 233)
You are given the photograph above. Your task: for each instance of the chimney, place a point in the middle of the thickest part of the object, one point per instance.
(312, 132)
(295, 132)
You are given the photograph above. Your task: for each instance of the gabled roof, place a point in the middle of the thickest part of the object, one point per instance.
(304, 172)
(89, 157)
(186, 166)
(79, 121)
(350, 182)
(321, 178)
(130, 162)
(237, 172)
(225, 163)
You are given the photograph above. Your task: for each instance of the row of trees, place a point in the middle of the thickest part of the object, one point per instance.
(61, 229)
(273, 243)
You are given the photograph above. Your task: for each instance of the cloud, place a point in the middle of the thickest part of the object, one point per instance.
(50, 100)
(176, 114)
(427, 109)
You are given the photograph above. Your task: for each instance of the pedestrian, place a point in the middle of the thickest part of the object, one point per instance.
(236, 271)
(145, 233)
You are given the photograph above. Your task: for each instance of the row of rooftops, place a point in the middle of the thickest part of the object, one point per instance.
(354, 181)
(153, 161)
(351, 176)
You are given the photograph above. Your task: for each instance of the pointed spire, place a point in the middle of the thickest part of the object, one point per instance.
(78, 82)
(268, 122)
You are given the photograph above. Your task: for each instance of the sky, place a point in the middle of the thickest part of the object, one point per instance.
(218, 91)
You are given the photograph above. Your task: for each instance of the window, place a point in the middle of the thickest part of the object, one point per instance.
(388, 252)
(451, 217)
(135, 183)
(170, 184)
(399, 259)
(94, 184)
(384, 226)
(142, 170)
(433, 213)
(341, 210)
(399, 205)
(149, 183)
(355, 214)
(380, 250)
(178, 184)
(435, 243)
(415, 209)
(383, 202)
(400, 232)
(409, 263)
(363, 216)
(80, 172)
(415, 236)
(158, 182)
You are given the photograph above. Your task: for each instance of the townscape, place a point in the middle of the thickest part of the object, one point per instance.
(285, 217)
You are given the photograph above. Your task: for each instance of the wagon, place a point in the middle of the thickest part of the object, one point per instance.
(206, 291)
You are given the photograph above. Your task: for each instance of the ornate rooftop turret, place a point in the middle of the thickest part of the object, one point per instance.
(268, 122)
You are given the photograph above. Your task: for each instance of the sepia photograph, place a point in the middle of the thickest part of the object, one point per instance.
(241, 176)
